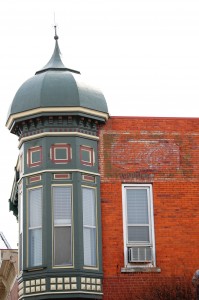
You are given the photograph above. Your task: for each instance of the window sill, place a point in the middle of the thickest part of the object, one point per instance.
(140, 270)
(32, 269)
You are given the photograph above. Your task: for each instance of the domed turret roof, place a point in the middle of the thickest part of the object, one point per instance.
(55, 86)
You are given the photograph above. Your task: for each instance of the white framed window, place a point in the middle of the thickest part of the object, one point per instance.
(138, 225)
(62, 223)
(35, 227)
(89, 227)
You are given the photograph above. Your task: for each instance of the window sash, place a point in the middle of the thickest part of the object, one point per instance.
(20, 230)
(35, 247)
(20, 252)
(35, 226)
(138, 221)
(62, 245)
(62, 222)
(35, 208)
(89, 227)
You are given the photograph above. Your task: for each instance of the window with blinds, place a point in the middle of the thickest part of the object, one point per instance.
(89, 226)
(138, 223)
(20, 230)
(35, 226)
(62, 221)
(137, 215)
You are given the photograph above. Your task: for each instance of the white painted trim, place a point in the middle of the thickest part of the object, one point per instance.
(75, 109)
(58, 171)
(151, 222)
(62, 133)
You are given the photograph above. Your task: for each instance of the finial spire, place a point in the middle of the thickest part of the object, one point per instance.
(56, 36)
(55, 63)
(55, 27)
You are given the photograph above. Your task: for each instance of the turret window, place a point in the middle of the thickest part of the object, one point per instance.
(89, 226)
(35, 226)
(62, 221)
(20, 201)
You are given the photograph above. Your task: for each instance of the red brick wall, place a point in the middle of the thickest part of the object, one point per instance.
(165, 153)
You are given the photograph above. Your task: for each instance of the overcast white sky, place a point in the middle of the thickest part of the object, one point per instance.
(143, 54)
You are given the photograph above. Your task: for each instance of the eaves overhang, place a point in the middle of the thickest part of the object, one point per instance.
(33, 112)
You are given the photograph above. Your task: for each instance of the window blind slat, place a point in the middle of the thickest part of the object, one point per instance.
(35, 209)
(35, 227)
(89, 229)
(137, 207)
(89, 217)
(62, 225)
(89, 246)
(35, 237)
(62, 205)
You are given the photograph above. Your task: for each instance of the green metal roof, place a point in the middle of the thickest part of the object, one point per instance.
(55, 63)
(56, 86)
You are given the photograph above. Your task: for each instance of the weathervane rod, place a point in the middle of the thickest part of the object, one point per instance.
(55, 27)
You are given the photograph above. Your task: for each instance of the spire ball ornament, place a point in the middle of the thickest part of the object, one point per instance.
(56, 36)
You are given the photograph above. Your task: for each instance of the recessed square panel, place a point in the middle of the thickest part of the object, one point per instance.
(61, 153)
(34, 157)
(90, 178)
(86, 155)
(62, 176)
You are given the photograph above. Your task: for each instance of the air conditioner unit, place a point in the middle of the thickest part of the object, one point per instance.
(140, 254)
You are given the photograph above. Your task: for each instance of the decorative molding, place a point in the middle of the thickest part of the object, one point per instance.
(63, 283)
(35, 111)
(91, 284)
(35, 286)
(30, 161)
(62, 176)
(54, 155)
(21, 289)
(58, 171)
(86, 177)
(60, 285)
(62, 133)
(33, 179)
(90, 152)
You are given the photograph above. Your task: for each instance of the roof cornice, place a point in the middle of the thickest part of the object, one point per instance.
(32, 112)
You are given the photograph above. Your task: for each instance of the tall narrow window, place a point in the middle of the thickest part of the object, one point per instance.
(89, 226)
(35, 226)
(138, 224)
(62, 217)
(20, 230)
